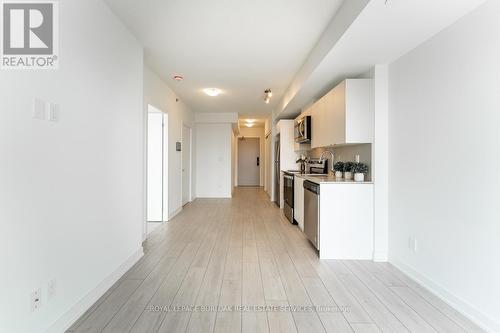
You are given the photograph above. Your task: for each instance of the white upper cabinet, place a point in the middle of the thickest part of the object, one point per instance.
(344, 115)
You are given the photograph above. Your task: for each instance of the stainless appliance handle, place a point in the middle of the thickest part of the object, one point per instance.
(277, 172)
(300, 125)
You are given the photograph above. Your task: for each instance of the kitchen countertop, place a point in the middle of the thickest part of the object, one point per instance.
(330, 179)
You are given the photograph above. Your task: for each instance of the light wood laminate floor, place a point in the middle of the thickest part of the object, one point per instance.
(237, 265)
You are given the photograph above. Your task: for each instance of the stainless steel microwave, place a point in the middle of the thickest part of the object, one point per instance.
(303, 130)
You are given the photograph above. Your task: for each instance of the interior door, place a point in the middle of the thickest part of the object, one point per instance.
(186, 164)
(155, 167)
(248, 162)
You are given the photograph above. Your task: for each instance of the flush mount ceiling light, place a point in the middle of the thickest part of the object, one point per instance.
(251, 121)
(267, 95)
(177, 77)
(212, 92)
(249, 124)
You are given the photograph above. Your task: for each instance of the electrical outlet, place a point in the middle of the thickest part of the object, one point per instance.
(51, 288)
(412, 244)
(36, 299)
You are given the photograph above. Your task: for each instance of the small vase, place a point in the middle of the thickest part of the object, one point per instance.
(338, 174)
(348, 175)
(359, 177)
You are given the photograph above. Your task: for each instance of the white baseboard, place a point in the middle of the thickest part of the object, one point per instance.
(65, 322)
(151, 226)
(468, 310)
(380, 256)
(174, 213)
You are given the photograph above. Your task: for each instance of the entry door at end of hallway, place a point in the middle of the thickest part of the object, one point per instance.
(248, 162)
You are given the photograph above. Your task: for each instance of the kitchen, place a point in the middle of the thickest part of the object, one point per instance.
(330, 199)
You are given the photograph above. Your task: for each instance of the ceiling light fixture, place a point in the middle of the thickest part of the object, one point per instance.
(249, 125)
(268, 94)
(250, 121)
(212, 92)
(177, 77)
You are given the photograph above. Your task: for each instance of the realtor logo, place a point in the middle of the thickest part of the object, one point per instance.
(29, 34)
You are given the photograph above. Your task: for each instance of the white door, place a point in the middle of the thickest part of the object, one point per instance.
(155, 167)
(186, 164)
(248, 162)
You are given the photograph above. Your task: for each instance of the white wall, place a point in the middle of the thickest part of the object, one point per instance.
(217, 117)
(444, 157)
(71, 193)
(380, 167)
(158, 94)
(269, 152)
(257, 133)
(214, 156)
(234, 160)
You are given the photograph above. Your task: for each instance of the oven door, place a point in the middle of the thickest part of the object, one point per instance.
(288, 197)
(288, 189)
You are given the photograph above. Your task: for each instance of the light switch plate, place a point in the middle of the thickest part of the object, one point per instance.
(53, 112)
(39, 109)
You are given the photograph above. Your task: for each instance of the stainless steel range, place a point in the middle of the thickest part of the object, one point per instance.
(313, 166)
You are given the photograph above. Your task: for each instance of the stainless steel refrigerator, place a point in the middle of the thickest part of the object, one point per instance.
(277, 170)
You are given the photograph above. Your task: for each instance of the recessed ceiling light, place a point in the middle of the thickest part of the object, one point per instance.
(212, 92)
(177, 77)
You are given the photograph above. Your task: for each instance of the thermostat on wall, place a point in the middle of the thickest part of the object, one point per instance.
(178, 146)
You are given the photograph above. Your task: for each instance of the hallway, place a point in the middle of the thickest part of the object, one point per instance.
(242, 251)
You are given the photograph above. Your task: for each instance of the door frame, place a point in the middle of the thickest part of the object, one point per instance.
(190, 195)
(165, 180)
(261, 166)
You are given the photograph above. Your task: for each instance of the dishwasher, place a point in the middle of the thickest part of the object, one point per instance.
(311, 212)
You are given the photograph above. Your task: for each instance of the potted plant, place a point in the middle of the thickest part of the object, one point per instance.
(360, 170)
(339, 169)
(348, 170)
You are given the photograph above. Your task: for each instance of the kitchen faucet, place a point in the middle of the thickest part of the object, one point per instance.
(333, 158)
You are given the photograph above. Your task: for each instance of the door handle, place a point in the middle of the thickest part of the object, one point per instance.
(258, 161)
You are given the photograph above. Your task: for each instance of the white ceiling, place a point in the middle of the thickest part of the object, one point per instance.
(382, 32)
(241, 47)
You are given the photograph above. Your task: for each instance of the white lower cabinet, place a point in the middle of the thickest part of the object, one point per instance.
(298, 201)
(346, 221)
